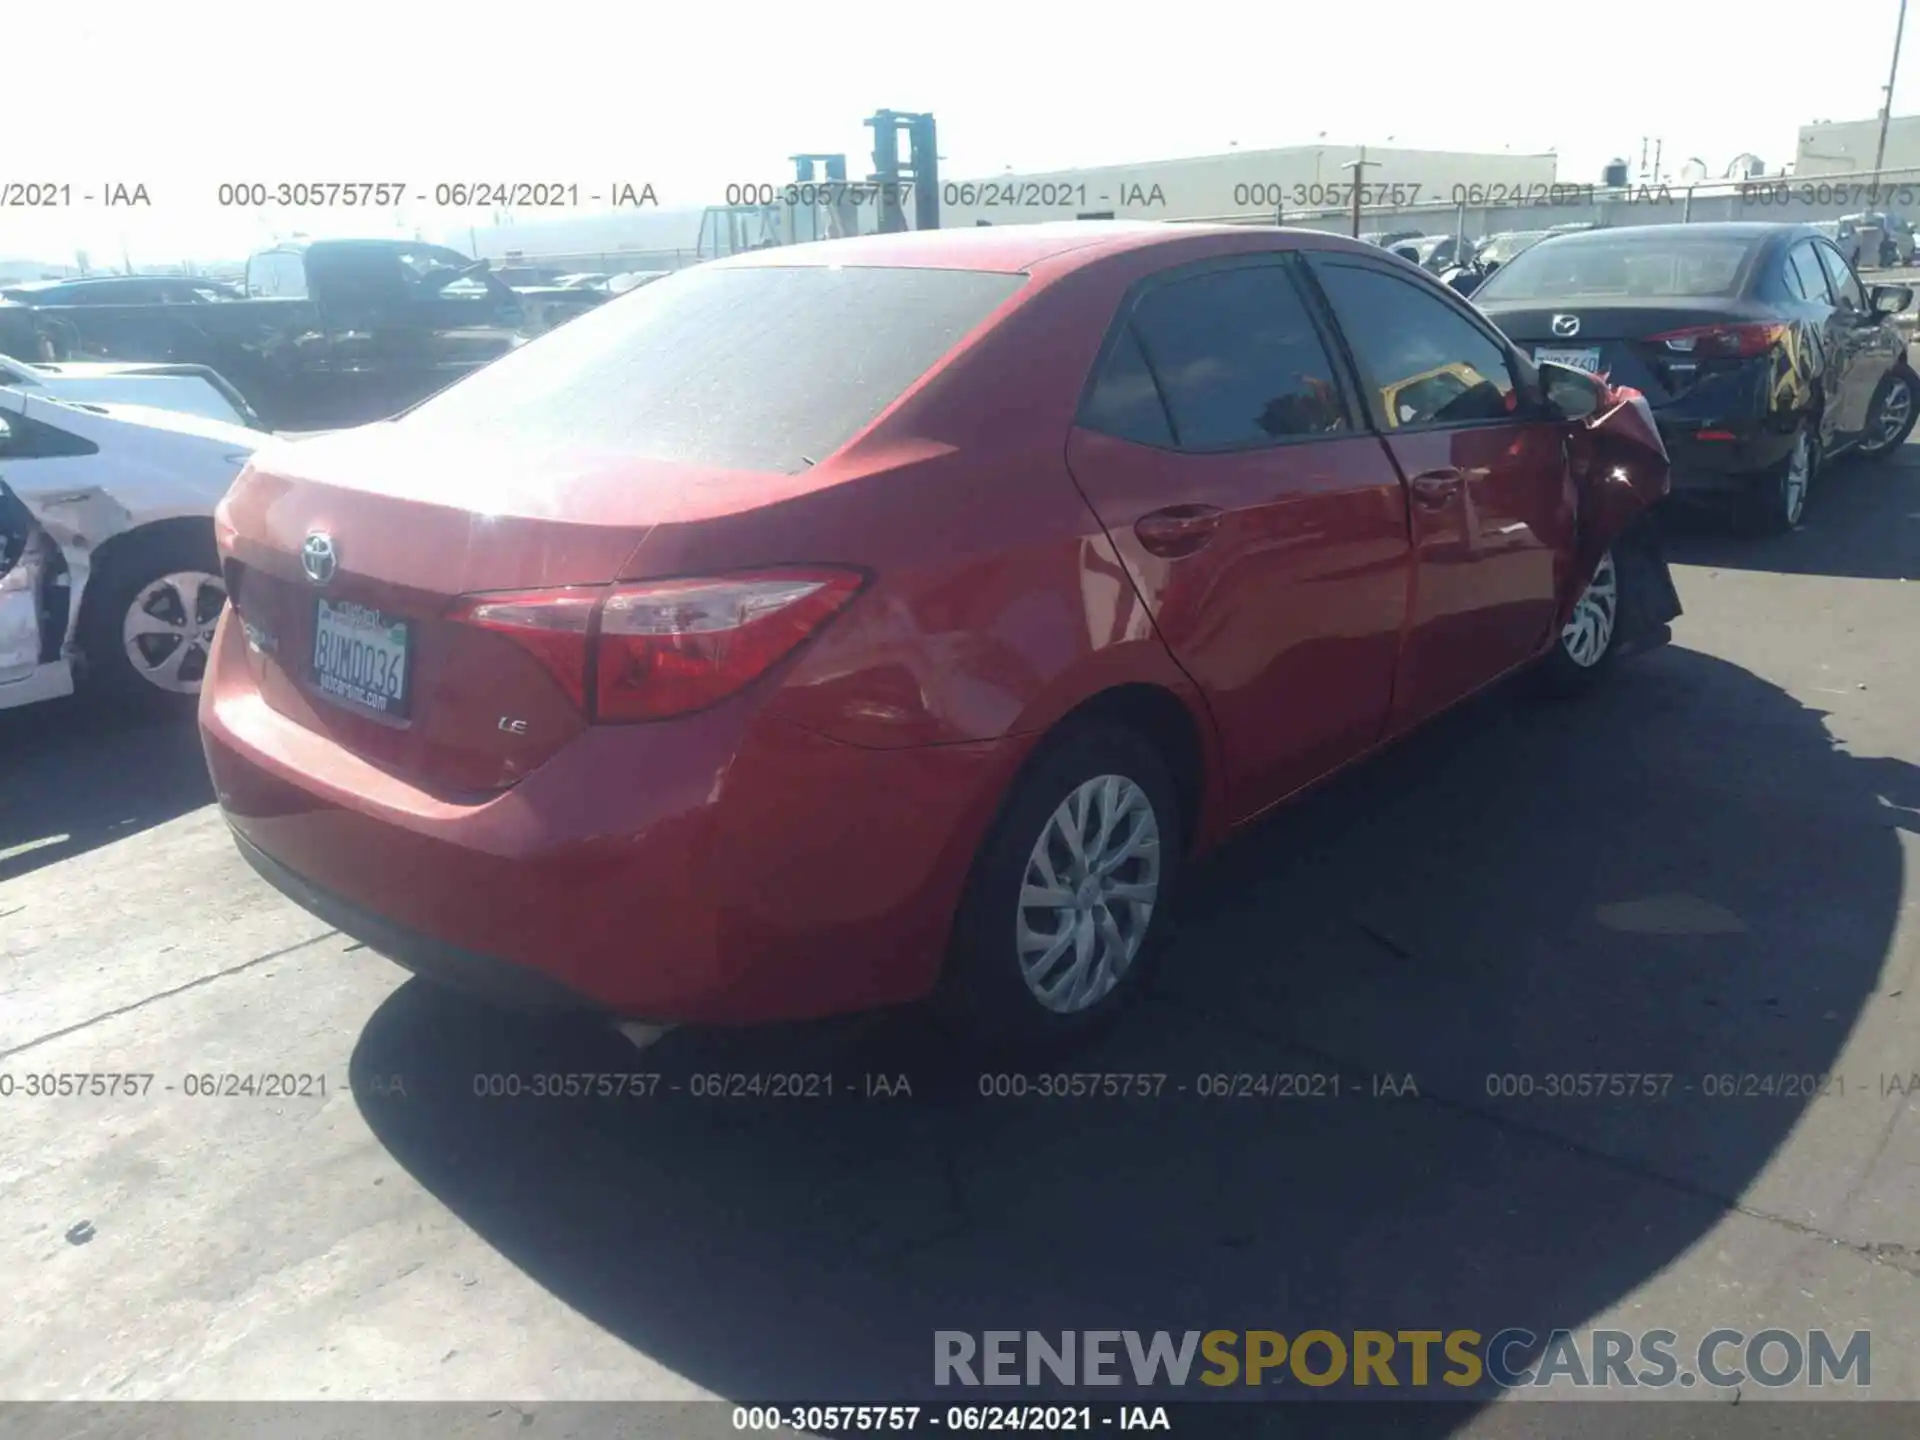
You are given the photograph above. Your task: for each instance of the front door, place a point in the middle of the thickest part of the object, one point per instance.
(1869, 346)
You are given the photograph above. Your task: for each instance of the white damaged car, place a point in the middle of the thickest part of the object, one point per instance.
(109, 580)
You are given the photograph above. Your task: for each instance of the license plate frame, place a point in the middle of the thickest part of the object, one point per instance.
(362, 671)
(1560, 355)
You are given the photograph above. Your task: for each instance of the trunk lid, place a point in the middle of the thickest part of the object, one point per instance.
(1613, 340)
(412, 525)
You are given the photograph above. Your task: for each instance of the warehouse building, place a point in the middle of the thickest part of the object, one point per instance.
(1847, 147)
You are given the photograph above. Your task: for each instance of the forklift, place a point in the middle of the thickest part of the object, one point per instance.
(880, 206)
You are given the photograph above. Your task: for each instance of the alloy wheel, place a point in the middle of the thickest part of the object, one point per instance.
(1589, 630)
(167, 631)
(1896, 412)
(1087, 893)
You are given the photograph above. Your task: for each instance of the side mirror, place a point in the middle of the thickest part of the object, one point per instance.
(1890, 299)
(1571, 394)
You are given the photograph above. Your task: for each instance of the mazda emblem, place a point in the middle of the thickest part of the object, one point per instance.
(318, 557)
(1566, 325)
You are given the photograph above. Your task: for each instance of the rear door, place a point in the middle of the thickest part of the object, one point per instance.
(1864, 347)
(1492, 511)
(1262, 525)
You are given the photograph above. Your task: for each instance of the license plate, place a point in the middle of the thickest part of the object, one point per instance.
(360, 657)
(1583, 359)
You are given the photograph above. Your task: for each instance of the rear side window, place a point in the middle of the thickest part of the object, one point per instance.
(767, 369)
(1124, 401)
(1804, 275)
(1238, 360)
(1846, 287)
(1427, 363)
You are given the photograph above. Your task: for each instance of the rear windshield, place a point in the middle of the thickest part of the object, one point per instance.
(766, 369)
(1639, 266)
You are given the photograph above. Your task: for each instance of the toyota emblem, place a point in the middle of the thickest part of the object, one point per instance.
(1566, 325)
(318, 557)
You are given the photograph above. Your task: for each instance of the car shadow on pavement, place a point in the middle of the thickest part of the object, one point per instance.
(1862, 521)
(76, 774)
(1680, 879)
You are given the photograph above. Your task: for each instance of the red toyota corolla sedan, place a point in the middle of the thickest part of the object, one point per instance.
(850, 624)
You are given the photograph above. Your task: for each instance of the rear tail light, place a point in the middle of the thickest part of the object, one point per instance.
(552, 625)
(666, 647)
(1725, 342)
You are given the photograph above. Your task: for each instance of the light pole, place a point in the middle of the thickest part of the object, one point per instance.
(1886, 110)
(1359, 168)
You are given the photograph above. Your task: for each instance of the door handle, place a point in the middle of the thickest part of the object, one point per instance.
(1436, 487)
(1178, 530)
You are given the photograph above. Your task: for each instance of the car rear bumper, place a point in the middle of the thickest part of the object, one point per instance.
(1722, 457)
(728, 869)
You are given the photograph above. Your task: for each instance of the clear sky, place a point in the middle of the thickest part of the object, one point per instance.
(184, 96)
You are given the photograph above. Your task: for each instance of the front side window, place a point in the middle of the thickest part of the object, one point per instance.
(1238, 360)
(1427, 364)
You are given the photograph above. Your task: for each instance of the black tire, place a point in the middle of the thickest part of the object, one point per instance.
(110, 672)
(1897, 385)
(1577, 664)
(984, 993)
(1769, 507)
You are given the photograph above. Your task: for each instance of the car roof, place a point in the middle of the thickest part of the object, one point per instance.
(1006, 249)
(1711, 229)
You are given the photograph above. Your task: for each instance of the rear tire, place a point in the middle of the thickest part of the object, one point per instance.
(1891, 417)
(146, 625)
(1778, 500)
(1054, 939)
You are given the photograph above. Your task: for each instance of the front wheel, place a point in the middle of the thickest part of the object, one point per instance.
(1584, 652)
(1070, 896)
(1890, 419)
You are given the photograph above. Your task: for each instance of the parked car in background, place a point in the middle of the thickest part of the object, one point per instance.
(1498, 249)
(1442, 252)
(522, 277)
(1895, 243)
(582, 282)
(331, 332)
(190, 389)
(1761, 353)
(691, 664)
(122, 290)
(1387, 239)
(107, 561)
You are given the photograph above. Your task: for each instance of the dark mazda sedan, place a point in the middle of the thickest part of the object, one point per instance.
(895, 617)
(1761, 353)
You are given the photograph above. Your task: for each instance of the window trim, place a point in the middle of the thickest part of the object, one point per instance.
(1285, 261)
(1519, 371)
